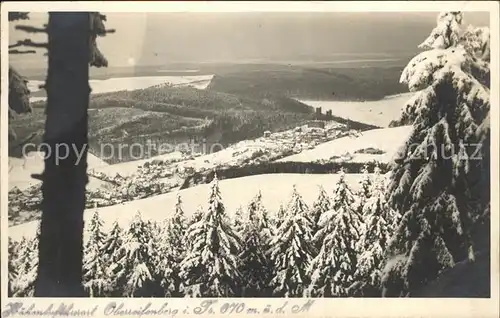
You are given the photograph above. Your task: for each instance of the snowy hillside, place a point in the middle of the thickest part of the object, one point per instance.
(382, 143)
(379, 113)
(275, 188)
(131, 83)
(20, 170)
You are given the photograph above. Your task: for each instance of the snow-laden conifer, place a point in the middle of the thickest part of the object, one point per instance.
(12, 267)
(138, 259)
(27, 266)
(211, 265)
(332, 270)
(437, 169)
(292, 249)
(380, 221)
(95, 279)
(320, 206)
(256, 265)
(172, 251)
(365, 187)
(238, 219)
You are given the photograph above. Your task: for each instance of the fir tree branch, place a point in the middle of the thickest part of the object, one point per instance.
(11, 46)
(16, 51)
(97, 59)
(30, 29)
(29, 43)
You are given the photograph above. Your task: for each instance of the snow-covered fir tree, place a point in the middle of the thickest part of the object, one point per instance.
(27, 266)
(112, 253)
(197, 216)
(12, 267)
(172, 251)
(437, 174)
(238, 220)
(95, 279)
(211, 265)
(365, 186)
(112, 244)
(320, 206)
(292, 249)
(257, 212)
(380, 221)
(280, 215)
(138, 261)
(256, 265)
(332, 270)
(194, 219)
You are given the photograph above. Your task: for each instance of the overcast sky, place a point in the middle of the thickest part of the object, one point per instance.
(159, 38)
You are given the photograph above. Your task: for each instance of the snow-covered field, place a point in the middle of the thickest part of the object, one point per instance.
(386, 139)
(20, 170)
(379, 113)
(132, 83)
(276, 189)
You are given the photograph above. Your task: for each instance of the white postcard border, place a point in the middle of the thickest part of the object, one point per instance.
(353, 307)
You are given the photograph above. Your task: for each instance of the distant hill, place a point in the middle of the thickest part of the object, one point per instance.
(172, 115)
(314, 83)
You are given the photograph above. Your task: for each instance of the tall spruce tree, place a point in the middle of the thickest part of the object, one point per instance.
(138, 262)
(172, 251)
(112, 254)
(95, 279)
(257, 212)
(13, 254)
(211, 265)
(365, 186)
(280, 215)
(256, 265)
(238, 219)
(27, 266)
(292, 249)
(332, 270)
(113, 243)
(322, 205)
(437, 175)
(380, 221)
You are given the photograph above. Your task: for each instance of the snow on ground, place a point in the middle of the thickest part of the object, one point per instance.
(132, 83)
(379, 113)
(276, 189)
(386, 139)
(20, 170)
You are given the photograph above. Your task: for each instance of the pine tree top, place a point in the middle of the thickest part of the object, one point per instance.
(296, 204)
(447, 32)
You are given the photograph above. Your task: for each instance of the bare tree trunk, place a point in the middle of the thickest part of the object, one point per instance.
(65, 174)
